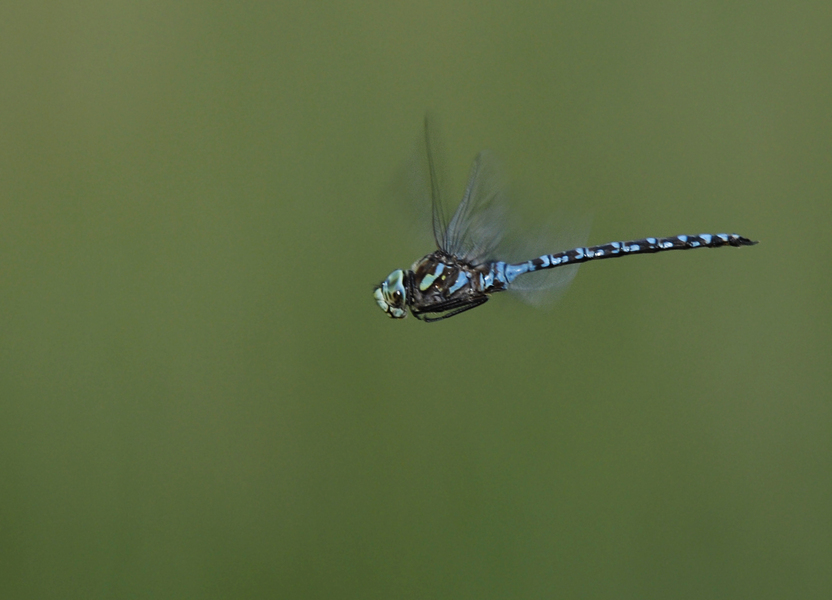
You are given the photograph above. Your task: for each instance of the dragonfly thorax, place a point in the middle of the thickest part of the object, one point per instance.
(440, 282)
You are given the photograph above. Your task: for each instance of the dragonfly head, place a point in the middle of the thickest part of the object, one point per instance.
(391, 295)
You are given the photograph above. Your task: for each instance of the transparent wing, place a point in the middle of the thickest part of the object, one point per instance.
(415, 191)
(483, 229)
(475, 230)
(478, 226)
(438, 218)
(542, 288)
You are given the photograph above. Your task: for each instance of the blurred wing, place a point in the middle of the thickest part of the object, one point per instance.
(482, 228)
(437, 209)
(542, 288)
(478, 225)
(415, 191)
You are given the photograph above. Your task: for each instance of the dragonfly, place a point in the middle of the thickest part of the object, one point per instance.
(463, 272)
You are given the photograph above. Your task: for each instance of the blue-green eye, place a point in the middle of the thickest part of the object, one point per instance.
(391, 295)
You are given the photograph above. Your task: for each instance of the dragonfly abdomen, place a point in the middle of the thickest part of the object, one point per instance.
(617, 249)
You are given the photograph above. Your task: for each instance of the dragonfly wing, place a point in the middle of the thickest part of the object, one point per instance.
(416, 188)
(440, 222)
(544, 287)
(477, 227)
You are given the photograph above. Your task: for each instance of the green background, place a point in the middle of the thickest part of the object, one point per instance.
(200, 399)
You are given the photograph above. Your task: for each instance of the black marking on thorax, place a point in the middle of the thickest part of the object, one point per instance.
(439, 277)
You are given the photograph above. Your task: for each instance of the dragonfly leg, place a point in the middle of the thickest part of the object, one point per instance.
(454, 307)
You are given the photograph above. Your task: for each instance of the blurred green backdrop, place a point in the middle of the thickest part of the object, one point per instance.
(200, 399)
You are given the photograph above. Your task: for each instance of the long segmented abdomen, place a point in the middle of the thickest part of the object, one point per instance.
(617, 249)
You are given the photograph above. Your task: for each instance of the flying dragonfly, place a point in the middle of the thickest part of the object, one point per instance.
(463, 271)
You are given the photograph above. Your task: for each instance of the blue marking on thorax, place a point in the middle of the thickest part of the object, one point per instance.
(428, 279)
(461, 280)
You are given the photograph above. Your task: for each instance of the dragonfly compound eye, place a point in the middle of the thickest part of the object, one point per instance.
(390, 295)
